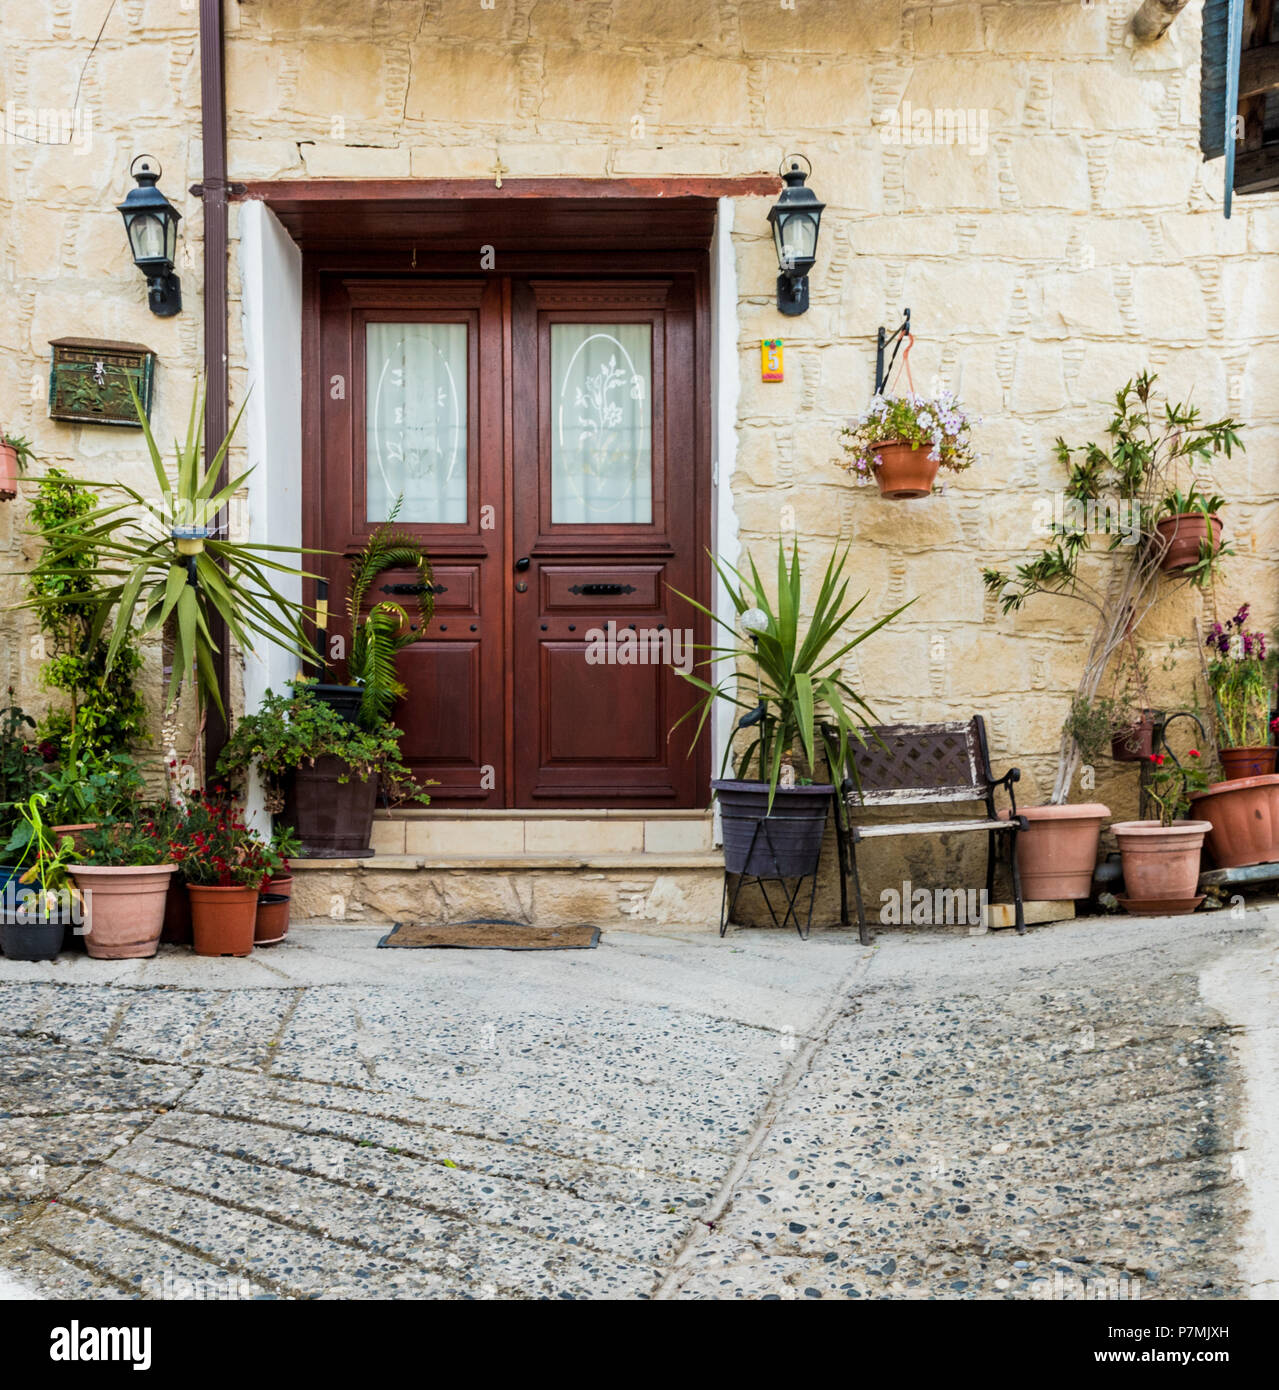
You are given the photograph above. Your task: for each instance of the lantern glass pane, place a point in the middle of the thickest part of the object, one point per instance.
(171, 239)
(799, 238)
(146, 236)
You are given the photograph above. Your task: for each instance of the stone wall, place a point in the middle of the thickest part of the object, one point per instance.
(1077, 239)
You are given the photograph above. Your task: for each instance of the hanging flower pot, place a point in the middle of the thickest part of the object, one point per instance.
(1135, 743)
(905, 470)
(1183, 536)
(8, 472)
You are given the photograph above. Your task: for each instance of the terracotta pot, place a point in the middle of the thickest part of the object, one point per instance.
(1183, 534)
(76, 831)
(1244, 815)
(124, 908)
(1246, 762)
(8, 472)
(177, 913)
(333, 819)
(222, 919)
(1135, 743)
(1160, 861)
(905, 470)
(272, 923)
(1057, 855)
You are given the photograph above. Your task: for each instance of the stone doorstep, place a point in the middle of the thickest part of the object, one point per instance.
(507, 834)
(1000, 915)
(616, 891)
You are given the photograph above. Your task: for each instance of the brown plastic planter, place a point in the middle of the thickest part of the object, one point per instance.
(1057, 854)
(124, 908)
(333, 819)
(1244, 816)
(1135, 743)
(785, 843)
(222, 919)
(272, 923)
(1183, 534)
(905, 470)
(177, 913)
(1246, 762)
(1161, 862)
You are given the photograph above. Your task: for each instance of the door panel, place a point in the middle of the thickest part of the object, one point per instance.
(550, 451)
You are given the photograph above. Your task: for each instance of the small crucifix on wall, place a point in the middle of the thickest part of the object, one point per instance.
(498, 170)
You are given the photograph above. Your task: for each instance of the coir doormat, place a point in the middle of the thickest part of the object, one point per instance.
(490, 935)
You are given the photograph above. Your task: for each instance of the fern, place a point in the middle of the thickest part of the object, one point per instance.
(379, 635)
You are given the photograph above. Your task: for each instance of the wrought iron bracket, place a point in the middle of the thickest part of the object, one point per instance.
(881, 343)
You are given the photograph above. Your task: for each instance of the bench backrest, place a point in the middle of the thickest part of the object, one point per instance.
(913, 764)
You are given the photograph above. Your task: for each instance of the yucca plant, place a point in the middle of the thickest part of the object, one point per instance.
(164, 560)
(799, 682)
(379, 635)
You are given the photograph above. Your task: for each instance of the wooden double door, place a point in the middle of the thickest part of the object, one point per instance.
(546, 439)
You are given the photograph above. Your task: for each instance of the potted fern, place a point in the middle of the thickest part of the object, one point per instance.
(789, 679)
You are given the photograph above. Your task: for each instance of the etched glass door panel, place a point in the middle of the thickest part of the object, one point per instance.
(416, 445)
(601, 423)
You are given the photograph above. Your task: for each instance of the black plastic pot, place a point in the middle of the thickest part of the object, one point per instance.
(333, 819)
(38, 939)
(346, 699)
(786, 843)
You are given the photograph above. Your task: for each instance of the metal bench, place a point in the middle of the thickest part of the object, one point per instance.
(921, 765)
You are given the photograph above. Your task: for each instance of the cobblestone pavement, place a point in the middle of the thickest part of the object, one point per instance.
(669, 1116)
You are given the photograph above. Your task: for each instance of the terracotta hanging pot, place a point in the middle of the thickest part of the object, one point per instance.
(124, 908)
(1161, 862)
(905, 470)
(1056, 856)
(8, 472)
(1183, 534)
(222, 919)
(1244, 815)
(1135, 743)
(1246, 762)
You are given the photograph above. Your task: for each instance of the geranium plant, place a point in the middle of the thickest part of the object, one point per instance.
(217, 848)
(1241, 675)
(1171, 787)
(938, 425)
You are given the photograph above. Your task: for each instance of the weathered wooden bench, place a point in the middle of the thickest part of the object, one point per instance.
(918, 765)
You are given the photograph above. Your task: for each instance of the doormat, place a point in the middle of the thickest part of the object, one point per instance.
(489, 934)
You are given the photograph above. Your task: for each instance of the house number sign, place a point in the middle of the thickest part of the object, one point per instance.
(770, 353)
(89, 381)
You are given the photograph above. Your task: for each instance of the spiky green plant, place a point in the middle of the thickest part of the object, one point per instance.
(164, 559)
(378, 636)
(799, 682)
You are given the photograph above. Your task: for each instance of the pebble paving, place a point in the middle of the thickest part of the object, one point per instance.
(667, 1116)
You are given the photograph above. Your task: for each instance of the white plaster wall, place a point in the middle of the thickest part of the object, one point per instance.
(271, 299)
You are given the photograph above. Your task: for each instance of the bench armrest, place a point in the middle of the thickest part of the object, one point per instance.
(1007, 781)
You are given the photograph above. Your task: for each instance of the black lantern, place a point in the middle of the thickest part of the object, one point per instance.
(796, 218)
(152, 224)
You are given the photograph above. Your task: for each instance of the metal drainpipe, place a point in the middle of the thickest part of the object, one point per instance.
(213, 191)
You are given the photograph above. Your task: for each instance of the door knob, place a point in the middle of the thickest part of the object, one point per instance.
(522, 563)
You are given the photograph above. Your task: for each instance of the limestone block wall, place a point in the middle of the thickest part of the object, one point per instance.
(1073, 238)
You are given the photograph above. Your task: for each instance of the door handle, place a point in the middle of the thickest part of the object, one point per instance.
(523, 563)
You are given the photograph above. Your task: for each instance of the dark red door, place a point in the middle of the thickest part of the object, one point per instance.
(545, 442)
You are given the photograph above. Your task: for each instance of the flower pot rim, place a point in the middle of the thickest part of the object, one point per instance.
(221, 888)
(1247, 748)
(113, 869)
(1175, 517)
(1262, 779)
(1152, 829)
(1065, 810)
(733, 784)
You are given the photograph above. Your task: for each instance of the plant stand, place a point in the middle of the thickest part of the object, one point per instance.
(790, 894)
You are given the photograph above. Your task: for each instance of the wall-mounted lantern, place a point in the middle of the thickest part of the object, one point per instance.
(795, 217)
(152, 224)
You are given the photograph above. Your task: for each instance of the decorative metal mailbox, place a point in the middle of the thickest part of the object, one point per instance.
(88, 381)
